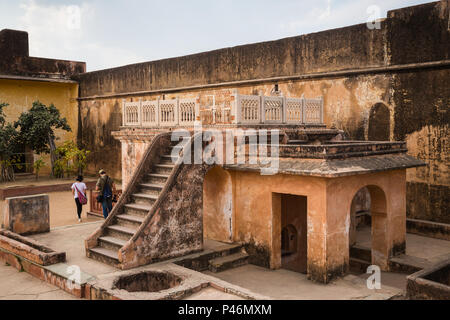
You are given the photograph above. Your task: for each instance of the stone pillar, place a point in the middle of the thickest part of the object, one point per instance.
(27, 215)
(396, 203)
(134, 142)
(317, 234)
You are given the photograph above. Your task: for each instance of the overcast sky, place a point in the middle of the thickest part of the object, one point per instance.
(111, 33)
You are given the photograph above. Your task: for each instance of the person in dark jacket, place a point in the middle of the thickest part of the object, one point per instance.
(105, 187)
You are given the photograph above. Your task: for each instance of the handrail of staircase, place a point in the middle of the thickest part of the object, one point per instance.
(156, 205)
(91, 241)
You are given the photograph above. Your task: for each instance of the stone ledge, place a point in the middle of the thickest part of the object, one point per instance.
(29, 249)
(431, 283)
(31, 190)
(336, 167)
(57, 274)
(428, 229)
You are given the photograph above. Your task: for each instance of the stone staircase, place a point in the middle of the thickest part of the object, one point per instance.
(223, 263)
(216, 258)
(130, 215)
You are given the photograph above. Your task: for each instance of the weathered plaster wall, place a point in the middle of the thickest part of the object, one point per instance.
(422, 99)
(254, 207)
(21, 94)
(328, 217)
(419, 33)
(15, 59)
(422, 119)
(388, 209)
(176, 227)
(97, 120)
(330, 50)
(417, 99)
(217, 205)
(347, 105)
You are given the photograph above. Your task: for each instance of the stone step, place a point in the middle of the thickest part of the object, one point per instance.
(167, 159)
(404, 263)
(227, 262)
(360, 252)
(176, 150)
(121, 232)
(156, 178)
(176, 147)
(150, 189)
(129, 220)
(104, 255)
(145, 198)
(132, 221)
(156, 186)
(139, 207)
(297, 141)
(111, 242)
(358, 265)
(164, 166)
(165, 169)
(158, 175)
(134, 212)
(200, 261)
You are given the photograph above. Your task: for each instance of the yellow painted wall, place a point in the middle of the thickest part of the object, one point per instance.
(20, 95)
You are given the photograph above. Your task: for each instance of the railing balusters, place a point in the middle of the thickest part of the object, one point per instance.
(245, 109)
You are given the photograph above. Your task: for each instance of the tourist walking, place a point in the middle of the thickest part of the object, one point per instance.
(79, 193)
(106, 188)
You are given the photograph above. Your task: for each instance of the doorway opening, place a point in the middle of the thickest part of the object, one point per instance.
(293, 232)
(367, 238)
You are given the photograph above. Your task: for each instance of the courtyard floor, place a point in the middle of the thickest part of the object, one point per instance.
(433, 250)
(276, 284)
(23, 286)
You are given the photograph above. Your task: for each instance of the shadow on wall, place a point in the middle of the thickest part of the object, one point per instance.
(379, 123)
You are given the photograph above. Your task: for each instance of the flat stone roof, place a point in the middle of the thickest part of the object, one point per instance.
(331, 168)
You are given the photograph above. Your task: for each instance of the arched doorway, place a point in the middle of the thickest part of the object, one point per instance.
(360, 233)
(379, 123)
(367, 236)
(218, 205)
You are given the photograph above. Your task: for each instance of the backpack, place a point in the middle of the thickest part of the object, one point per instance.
(107, 192)
(81, 197)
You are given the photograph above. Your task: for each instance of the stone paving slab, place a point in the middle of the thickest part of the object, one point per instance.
(17, 285)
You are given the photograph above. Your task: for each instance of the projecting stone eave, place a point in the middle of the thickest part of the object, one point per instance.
(337, 167)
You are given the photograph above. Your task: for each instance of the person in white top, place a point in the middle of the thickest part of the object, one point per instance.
(79, 186)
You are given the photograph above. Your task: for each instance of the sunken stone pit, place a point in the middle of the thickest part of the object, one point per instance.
(431, 283)
(148, 281)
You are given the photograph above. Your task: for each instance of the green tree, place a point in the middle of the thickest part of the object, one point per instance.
(8, 146)
(37, 129)
(37, 165)
(71, 159)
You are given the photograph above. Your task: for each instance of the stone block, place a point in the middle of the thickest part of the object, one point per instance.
(27, 215)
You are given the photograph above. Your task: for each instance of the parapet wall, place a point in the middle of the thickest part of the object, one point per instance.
(15, 59)
(330, 50)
